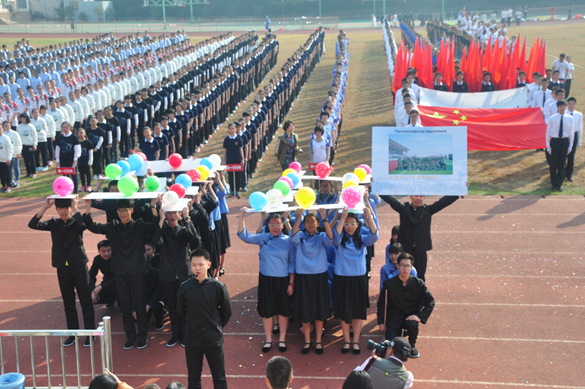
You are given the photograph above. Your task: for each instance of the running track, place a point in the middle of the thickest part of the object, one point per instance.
(507, 274)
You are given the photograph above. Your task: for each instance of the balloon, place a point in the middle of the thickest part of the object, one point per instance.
(274, 197)
(361, 173)
(178, 189)
(135, 162)
(194, 174)
(283, 187)
(185, 180)
(152, 183)
(63, 186)
(306, 197)
(128, 185)
(142, 155)
(215, 160)
(170, 198)
(350, 177)
(289, 170)
(351, 196)
(143, 169)
(349, 183)
(113, 171)
(175, 160)
(366, 168)
(323, 170)
(204, 171)
(287, 180)
(295, 178)
(296, 166)
(258, 200)
(125, 166)
(206, 162)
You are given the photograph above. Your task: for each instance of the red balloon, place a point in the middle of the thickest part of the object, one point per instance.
(194, 174)
(323, 170)
(178, 189)
(143, 156)
(175, 160)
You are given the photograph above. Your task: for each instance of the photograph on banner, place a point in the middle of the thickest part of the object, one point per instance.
(419, 160)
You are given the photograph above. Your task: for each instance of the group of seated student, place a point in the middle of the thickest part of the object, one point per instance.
(249, 136)
(120, 90)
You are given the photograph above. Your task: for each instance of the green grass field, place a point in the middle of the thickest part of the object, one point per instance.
(448, 170)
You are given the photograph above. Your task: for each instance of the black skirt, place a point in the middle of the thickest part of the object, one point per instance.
(350, 297)
(220, 234)
(226, 232)
(273, 298)
(311, 297)
(214, 249)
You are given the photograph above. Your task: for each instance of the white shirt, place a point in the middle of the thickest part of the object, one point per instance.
(537, 99)
(562, 67)
(577, 125)
(319, 150)
(553, 128)
(570, 70)
(404, 120)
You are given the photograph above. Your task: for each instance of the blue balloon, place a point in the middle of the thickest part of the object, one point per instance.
(184, 180)
(206, 162)
(135, 162)
(295, 178)
(258, 201)
(143, 169)
(125, 167)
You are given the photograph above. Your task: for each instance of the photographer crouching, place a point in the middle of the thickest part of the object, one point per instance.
(386, 365)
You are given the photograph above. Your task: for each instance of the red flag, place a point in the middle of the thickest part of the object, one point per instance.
(542, 60)
(534, 55)
(464, 60)
(451, 65)
(429, 67)
(491, 129)
(512, 66)
(522, 59)
(396, 83)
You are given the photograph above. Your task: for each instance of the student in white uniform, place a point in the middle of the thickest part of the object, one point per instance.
(577, 136)
(414, 119)
(559, 140)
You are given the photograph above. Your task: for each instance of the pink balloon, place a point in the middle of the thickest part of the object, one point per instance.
(175, 160)
(323, 170)
(366, 168)
(287, 180)
(63, 186)
(351, 196)
(178, 189)
(296, 166)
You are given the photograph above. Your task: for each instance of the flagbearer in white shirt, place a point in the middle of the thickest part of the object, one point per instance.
(414, 119)
(404, 120)
(577, 137)
(559, 140)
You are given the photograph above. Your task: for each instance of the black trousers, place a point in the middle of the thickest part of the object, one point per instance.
(84, 175)
(557, 160)
(42, 153)
(170, 289)
(131, 292)
(214, 356)
(571, 157)
(29, 159)
(97, 162)
(409, 325)
(420, 263)
(4, 174)
(567, 86)
(73, 280)
(50, 149)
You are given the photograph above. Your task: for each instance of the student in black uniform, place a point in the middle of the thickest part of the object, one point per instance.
(116, 133)
(486, 85)
(85, 160)
(68, 151)
(69, 258)
(163, 142)
(149, 146)
(104, 293)
(459, 85)
(521, 81)
(129, 263)
(438, 85)
(233, 153)
(97, 137)
(134, 118)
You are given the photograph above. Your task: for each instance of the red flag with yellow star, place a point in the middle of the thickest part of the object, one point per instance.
(491, 129)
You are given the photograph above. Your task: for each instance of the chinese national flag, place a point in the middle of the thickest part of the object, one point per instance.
(491, 129)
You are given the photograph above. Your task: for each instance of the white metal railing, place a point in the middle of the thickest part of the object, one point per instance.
(103, 332)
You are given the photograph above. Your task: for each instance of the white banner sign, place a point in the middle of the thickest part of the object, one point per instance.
(510, 98)
(419, 160)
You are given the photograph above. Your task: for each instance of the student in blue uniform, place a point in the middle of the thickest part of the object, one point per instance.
(149, 146)
(221, 190)
(311, 298)
(276, 279)
(327, 195)
(163, 142)
(350, 285)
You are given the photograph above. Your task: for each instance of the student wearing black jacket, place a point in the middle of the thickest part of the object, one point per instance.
(69, 258)
(104, 293)
(129, 262)
(415, 226)
(204, 307)
(175, 243)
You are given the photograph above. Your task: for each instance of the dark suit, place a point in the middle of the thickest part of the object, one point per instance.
(463, 88)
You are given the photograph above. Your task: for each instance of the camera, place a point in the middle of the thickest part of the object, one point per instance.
(381, 348)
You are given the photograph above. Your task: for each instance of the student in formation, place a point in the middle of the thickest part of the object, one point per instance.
(559, 140)
(69, 258)
(460, 85)
(233, 153)
(14, 167)
(85, 160)
(438, 84)
(540, 97)
(6, 151)
(319, 146)
(28, 135)
(276, 279)
(41, 153)
(149, 145)
(105, 292)
(221, 191)
(414, 119)
(68, 151)
(486, 84)
(390, 269)
(577, 136)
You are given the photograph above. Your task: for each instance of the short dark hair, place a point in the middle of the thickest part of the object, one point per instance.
(200, 253)
(103, 243)
(413, 111)
(152, 386)
(359, 379)
(571, 99)
(395, 248)
(279, 371)
(103, 381)
(406, 256)
(319, 129)
(175, 385)
(63, 203)
(124, 203)
(559, 91)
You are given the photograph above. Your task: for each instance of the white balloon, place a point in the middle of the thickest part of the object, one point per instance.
(142, 171)
(170, 198)
(215, 160)
(350, 177)
(275, 198)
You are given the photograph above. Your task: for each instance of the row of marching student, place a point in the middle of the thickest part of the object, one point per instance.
(129, 85)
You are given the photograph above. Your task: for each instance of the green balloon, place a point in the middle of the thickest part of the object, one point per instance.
(113, 171)
(128, 185)
(283, 187)
(152, 183)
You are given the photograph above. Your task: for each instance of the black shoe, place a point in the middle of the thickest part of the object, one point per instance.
(319, 350)
(172, 341)
(414, 353)
(69, 341)
(275, 329)
(128, 345)
(553, 189)
(560, 189)
(306, 348)
(266, 347)
(159, 326)
(570, 179)
(282, 349)
(142, 344)
(356, 351)
(345, 350)
(87, 341)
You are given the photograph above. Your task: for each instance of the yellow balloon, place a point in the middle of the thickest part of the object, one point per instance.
(289, 170)
(349, 183)
(361, 173)
(204, 170)
(306, 197)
